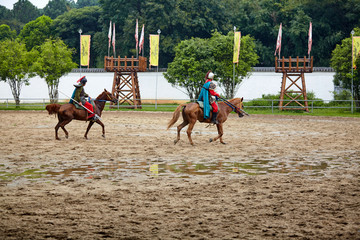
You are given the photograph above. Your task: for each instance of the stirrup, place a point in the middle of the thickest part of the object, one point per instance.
(96, 117)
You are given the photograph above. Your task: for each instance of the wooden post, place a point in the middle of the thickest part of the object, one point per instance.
(293, 75)
(125, 82)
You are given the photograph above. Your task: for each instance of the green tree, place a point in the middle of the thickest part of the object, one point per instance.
(332, 22)
(86, 3)
(6, 33)
(341, 62)
(222, 50)
(15, 66)
(53, 62)
(36, 32)
(6, 17)
(66, 27)
(5, 13)
(25, 11)
(177, 20)
(56, 8)
(194, 57)
(192, 60)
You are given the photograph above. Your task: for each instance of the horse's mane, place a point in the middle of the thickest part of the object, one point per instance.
(98, 97)
(232, 100)
(235, 99)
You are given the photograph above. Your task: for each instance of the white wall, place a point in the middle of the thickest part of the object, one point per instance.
(321, 83)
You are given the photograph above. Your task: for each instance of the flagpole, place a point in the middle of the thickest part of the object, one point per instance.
(109, 37)
(233, 90)
(80, 31)
(143, 40)
(137, 38)
(157, 70)
(352, 71)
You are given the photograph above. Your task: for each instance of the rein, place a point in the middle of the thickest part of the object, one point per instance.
(101, 100)
(234, 108)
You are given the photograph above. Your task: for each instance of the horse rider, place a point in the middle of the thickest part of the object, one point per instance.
(79, 96)
(209, 87)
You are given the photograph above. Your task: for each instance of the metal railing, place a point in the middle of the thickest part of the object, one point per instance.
(158, 104)
(312, 104)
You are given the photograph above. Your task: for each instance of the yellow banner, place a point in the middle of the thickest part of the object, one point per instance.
(154, 50)
(85, 50)
(355, 49)
(237, 37)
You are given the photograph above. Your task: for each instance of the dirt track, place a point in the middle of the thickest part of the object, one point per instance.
(278, 177)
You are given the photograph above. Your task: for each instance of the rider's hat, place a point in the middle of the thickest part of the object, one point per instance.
(209, 75)
(81, 82)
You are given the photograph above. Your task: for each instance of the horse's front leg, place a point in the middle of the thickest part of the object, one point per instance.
(90, 125)
(62, 125)
(103, 127)
(56, 130)
(220, 133)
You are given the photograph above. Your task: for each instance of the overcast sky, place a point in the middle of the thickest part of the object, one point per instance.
(37, 3)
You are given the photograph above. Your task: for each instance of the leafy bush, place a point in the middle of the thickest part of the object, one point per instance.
(268, 99)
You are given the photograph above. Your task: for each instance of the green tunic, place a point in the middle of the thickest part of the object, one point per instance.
(80, 94)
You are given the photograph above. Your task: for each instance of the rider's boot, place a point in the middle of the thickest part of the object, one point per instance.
(94, 118)
(213, 118)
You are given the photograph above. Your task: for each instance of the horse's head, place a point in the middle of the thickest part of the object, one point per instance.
(239, 108)
(110, 97)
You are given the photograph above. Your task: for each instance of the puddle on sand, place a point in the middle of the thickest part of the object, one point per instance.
(115, 170)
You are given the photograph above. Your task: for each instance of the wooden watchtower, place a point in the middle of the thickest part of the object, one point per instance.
(125, 84)
(293, 69)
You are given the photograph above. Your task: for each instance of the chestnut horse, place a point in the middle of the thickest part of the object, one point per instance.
(67, 112)
(191, 112)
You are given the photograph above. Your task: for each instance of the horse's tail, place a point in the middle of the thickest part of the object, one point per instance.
(176, 115)
(53, 108)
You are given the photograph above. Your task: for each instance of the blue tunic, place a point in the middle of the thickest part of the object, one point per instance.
(204, 96)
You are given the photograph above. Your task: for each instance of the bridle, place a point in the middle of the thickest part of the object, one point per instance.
(234, 108)
(109, 97)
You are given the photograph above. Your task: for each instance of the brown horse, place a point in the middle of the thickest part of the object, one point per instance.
(192, 112)
(67, 112)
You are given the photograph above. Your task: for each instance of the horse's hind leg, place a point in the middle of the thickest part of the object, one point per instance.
(189, 130)
(181, 126)
(66, 132)
(62, 125)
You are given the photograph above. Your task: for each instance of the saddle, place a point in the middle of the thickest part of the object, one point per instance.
(91, 101)
(201, 105)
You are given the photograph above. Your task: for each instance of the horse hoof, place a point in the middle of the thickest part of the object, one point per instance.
(58, 139)
(66, 137)
(223, 143)
(103, 136)
(175, 141)
(210, 140)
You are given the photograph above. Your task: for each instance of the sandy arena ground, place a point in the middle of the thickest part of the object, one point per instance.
(278, 177)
